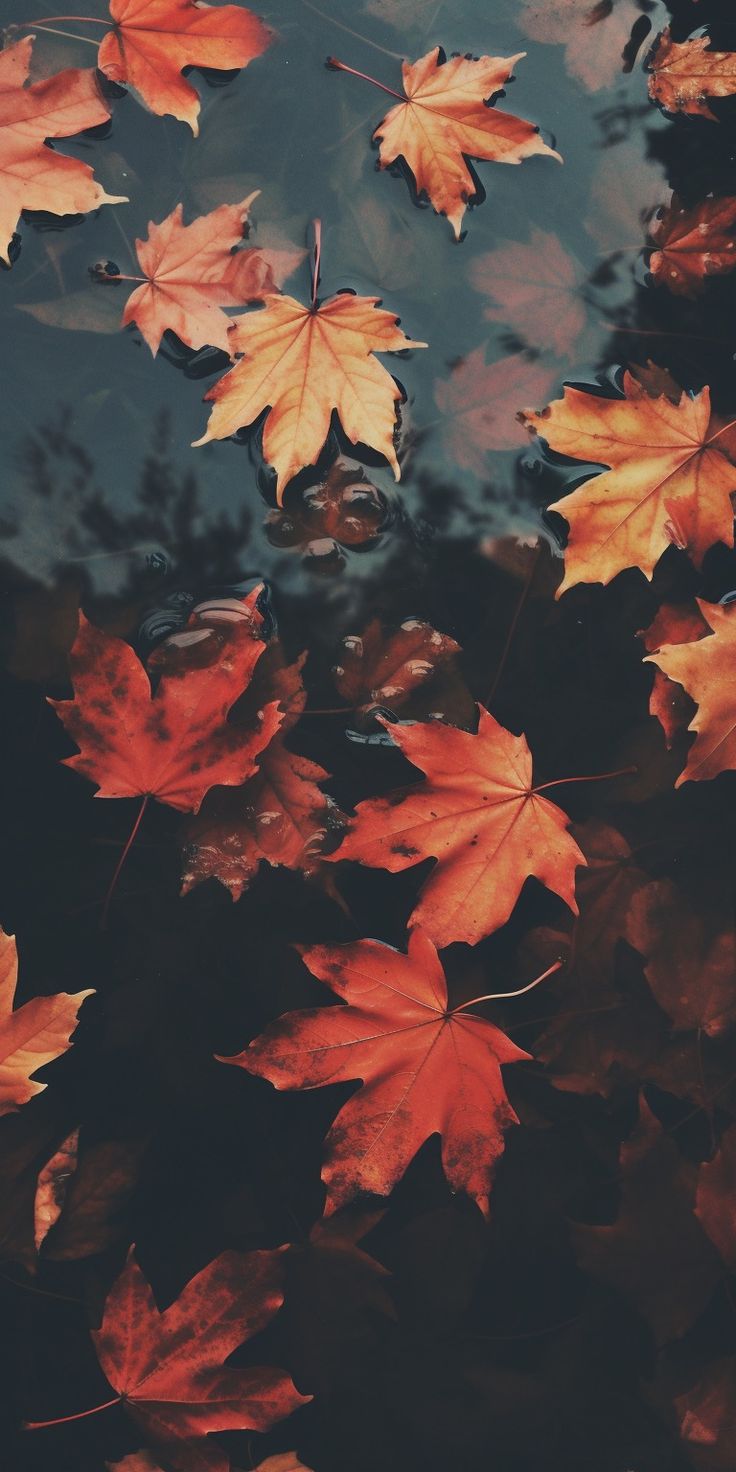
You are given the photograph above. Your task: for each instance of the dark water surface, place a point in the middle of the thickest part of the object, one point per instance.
(505, 1355)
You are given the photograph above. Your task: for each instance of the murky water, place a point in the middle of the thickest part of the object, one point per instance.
(503, 1355)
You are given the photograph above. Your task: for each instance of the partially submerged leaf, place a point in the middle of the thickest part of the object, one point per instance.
(669, 482)
(534, 289)
(152, 41)
(173, 745)
(594, 35)
(33, 176)
(193, 271)
(481, 404)
(447, 119)
(377, 668)
(33, 1035)
(686, 75)
(693, 244)
(425, 1069)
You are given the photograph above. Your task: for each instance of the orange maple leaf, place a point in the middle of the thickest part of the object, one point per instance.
(693, 244)
(301, 363)
(704, 669)
(534, 289)
(669, 480)
(32, 176)
(445, 118)
(686, 74)
(34, 1035)
(152, 41)
(426, 1069)
(193, 271)
(173, 745)
(478, 815)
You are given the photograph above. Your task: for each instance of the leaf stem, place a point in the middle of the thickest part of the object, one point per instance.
(496, 996)
(78, 1416)
(340, 66)
(68, 35)
(512, 626)
(121, 861)
(316, 258)
(595, 777)
(92, 20)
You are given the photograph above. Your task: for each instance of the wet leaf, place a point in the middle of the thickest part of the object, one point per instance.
(687, 75)
(35, 177)
(703, 669)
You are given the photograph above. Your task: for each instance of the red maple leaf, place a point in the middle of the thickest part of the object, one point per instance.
(172, 745)
(426, 1069)
(168, 1367)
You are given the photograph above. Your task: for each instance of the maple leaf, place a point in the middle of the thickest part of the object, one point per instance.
(675, 623)
(594, 35)
(715, 1199)
(380, 669)
(193, 271)
(478, 815)
(152, 41)
(35, 177)
(301, 363)
(668, 482)
(656, 1239)
(33, 1035)
(686, 75)
(481, 401)
(445, 118)
(533, 288)
(168, 1367)
(173, 745)
(280, 816)
(425, 1069)
(92, 1215)
(703, 669)
(693, 244)
(690, 963)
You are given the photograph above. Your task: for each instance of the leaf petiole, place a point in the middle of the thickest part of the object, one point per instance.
(497, 996)
(121, 861)
(78, 1416)
(340, 66)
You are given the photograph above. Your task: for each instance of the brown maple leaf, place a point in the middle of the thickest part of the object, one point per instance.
(656, 1240)
(690, 960)
(152, 41)
(425, 1069)
(33, 176)
(534, 289)
(52, 1185)
(33, 1035)
(301, 364)
(686, 75)
(703, 668)
(479, 816)
(168, 1368)
(193, 271)
(692, 244)
(173, 745)
(669, 481)
(446, 118)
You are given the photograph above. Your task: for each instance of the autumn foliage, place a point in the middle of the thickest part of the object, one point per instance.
(400, 1130)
